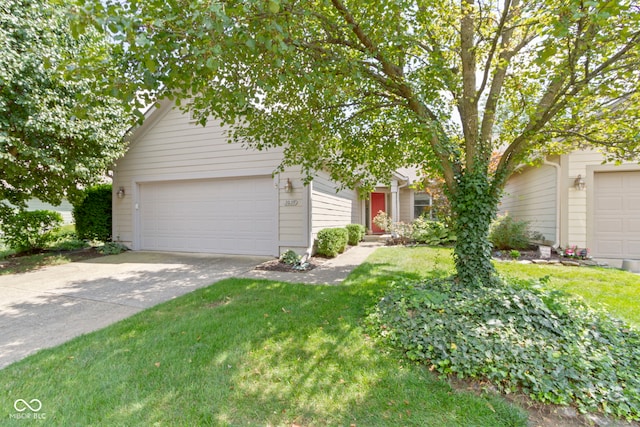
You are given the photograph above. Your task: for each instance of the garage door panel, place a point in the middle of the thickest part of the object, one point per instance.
(632, 203)
(235, 216)
(634, 246)
(609, 225)
(633, 225)
(609, 203)
(616, 216)
(613, 248)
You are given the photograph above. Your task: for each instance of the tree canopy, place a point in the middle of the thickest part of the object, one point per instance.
(359, 88)
(58, 131)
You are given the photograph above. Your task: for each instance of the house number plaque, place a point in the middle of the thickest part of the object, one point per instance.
(291, 203)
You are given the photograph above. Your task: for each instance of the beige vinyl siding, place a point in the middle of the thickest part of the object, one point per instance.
(293, 213)
(406, 205)
(531, 195)
(330, 208)
(168, 146)
(576, 201)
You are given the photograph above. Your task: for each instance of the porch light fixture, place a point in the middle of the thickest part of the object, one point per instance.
(120, 193)
(579, 183)
(288, 187)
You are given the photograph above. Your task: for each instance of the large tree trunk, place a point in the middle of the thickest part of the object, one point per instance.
(474, 205)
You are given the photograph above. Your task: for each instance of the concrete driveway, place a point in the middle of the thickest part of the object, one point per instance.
(47, 307)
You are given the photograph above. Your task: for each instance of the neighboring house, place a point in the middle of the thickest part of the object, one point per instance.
(182, 187)
(602, 215)
(65, 209)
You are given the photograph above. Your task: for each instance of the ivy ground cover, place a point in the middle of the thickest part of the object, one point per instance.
(522, 335)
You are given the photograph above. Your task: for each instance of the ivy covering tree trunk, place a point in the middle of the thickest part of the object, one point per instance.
(474, 204)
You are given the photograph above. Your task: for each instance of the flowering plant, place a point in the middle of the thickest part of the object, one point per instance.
(574, 252)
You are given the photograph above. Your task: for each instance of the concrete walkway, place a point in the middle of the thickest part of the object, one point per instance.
(331, 272)
(48, 307)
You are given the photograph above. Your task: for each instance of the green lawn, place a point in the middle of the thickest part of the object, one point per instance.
(618, 291)
(247, 352)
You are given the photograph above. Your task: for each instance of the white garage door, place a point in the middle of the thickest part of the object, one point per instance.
(617, 214)
(228, 216)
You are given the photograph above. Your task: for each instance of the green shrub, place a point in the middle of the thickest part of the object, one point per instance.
(290, 257)
(93, 215)
(509, 233)
(112, 248)
(523, 337)
(356, 233)
(432, 232)
(28, 231)
(68, 241)
(332, 241)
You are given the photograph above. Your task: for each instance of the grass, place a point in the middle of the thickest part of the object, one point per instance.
(618, 291)
(244, 352)
(247, 352)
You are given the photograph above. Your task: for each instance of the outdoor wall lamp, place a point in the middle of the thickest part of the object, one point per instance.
(288, 187)
(579, 183)
(120, 193)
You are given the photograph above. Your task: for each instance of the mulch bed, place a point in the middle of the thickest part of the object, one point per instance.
(524, 255)
(277, 265)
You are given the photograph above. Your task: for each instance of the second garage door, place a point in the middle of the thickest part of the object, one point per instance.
(616, 216)
(228, 216)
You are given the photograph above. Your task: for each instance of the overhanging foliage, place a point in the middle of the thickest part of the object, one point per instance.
(362, 88)
(59, 131)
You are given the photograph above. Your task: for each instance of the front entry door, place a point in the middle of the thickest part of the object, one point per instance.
(377, 204)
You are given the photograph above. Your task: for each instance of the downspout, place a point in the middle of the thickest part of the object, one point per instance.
(309, 221)
(556, 244)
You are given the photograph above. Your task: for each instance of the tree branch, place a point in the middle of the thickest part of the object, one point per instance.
(468, 104)
(556, 97)
(497, 83)
(494, 45)
(395, 76)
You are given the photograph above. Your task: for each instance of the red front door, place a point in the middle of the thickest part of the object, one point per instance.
(377, 205)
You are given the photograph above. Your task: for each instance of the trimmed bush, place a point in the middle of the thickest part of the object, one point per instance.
(356, 233)
(509, 233)
(93, 215)
(332, 241)
(29, 231)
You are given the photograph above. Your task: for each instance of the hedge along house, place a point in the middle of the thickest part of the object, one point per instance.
(577, 200)
(182, 187)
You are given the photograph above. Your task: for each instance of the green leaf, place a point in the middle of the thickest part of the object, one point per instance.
(274, 6)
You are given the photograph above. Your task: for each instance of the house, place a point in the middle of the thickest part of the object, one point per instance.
(577, 199)
(65, 209)
(182, 187)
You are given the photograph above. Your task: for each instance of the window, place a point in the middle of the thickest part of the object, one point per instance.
(422, 206)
